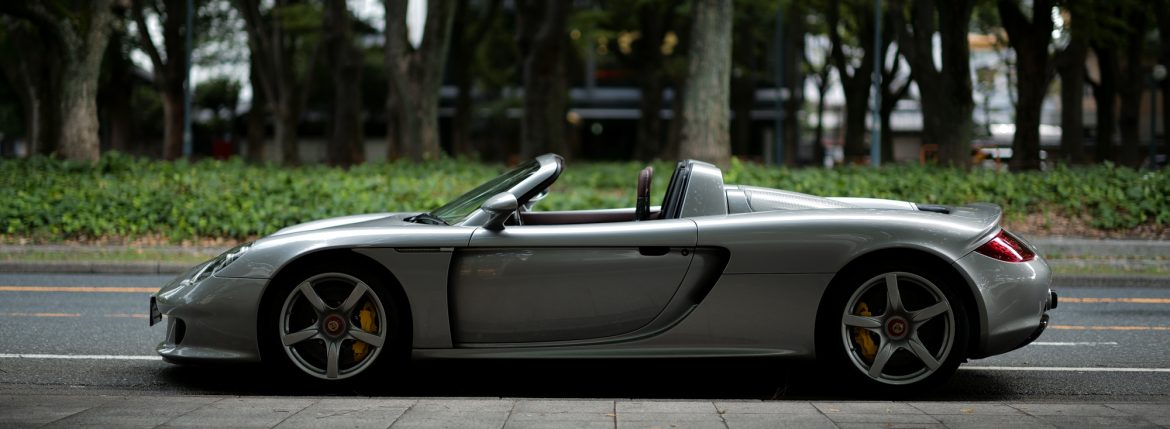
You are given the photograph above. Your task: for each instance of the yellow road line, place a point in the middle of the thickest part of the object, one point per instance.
(1064, 300)
(42, 314)
(114, 315)
(1109, 328)
(84, 289)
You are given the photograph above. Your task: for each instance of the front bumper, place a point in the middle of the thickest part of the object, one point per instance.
(1012, 300)
(214, 319)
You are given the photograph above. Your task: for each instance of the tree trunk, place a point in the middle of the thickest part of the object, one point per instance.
(1030, 41)
(1105, 96)
(819, 132)
(649, 143)
(795, 31)
(1071, 63)
(706, 94)
(1162, 12)
(345, 146)
(856, 84)
(945, 92)
(32, 77)
(415, 75)
(541, 39)
(172, 125)
(257, 136)
(1130, 88)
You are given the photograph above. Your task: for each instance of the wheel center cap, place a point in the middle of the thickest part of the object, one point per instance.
(896, 327)
(333, 325)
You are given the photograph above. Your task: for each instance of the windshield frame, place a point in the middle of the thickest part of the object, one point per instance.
(523, 182)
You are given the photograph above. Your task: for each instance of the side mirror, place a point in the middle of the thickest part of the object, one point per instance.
(499, 208)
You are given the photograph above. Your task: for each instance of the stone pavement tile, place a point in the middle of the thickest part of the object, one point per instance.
(668, 417)
(670, 424)
(563, 406)
(463, 405)
(479, 419)
(966, 408)
(571, 417)
(871, 408)
(991, 421)
(135, 411)
(242, 413)
(885, 419)
(689, 407)
(890, 425)
(557, 424)
(766, 407)
(771, 421)
(1067, 409)
(1144, 410)
(40, 409)
(1099, 421)
(348, 413)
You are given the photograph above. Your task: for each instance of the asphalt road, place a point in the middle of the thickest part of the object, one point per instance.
(1104, 345)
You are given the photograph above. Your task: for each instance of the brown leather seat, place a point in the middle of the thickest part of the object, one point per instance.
(642, 208)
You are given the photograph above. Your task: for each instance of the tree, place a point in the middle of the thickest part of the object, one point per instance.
(1070, 65)
(467, 35)
(346, 146)
(169, 64)
(1030, 40)
(415, 75)
(274, 39)
(79, 30)
(856, 76)
(1162, 14)
(1132, 82)
(32, 72)
(945, 92)
(705, 110)
(540, 35)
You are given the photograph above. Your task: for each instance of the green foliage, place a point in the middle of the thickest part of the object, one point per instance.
(126, 197)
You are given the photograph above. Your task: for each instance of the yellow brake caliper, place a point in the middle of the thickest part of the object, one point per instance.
(861, 336)
(368, 324)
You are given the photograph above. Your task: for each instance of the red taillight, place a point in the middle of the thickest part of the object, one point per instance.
(1006, 248)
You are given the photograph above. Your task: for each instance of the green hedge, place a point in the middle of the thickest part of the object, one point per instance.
(127, 197)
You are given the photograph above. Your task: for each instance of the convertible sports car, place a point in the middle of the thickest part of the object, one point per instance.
(891, 293)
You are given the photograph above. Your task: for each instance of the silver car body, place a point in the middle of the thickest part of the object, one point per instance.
(739, 272)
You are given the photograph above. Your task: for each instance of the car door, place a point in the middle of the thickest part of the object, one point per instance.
(545, 283)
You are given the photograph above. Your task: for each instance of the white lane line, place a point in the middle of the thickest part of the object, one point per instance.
(1064, 369)
(92, 357)
(1084, 343)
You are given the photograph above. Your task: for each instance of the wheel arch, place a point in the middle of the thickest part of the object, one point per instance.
(975, 321)
(291, 269)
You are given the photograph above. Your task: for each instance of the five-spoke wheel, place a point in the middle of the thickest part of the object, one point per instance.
(333, 326)
(895, 327)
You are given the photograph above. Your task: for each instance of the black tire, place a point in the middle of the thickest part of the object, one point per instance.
(908, 349)
(323, 333)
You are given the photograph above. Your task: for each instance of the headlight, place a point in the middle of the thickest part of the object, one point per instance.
(220, 262)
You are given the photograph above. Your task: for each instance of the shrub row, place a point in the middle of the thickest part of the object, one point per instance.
(127, 197)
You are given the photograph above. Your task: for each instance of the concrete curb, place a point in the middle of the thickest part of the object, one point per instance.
(86, 267)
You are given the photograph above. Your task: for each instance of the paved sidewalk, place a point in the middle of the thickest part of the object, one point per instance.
(295, 412)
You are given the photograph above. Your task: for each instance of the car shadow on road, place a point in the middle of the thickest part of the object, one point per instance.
(765, 379)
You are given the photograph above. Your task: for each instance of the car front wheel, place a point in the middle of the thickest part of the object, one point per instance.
(333, 325)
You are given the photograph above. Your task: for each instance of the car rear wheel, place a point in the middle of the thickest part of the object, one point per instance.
(333, 325)
(895, 329)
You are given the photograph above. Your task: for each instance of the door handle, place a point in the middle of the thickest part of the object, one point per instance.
(653, 250)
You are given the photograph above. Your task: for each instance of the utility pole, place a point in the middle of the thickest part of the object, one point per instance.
(187, 146)
(875, 140)
(778, 41)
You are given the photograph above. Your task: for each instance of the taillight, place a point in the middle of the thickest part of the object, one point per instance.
(1007, 248)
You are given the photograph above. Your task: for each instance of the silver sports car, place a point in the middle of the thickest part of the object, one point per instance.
(890, 293)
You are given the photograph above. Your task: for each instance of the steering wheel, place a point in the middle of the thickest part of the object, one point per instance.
(642, 209)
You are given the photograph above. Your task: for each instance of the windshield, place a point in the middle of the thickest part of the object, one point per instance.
(459, 208)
